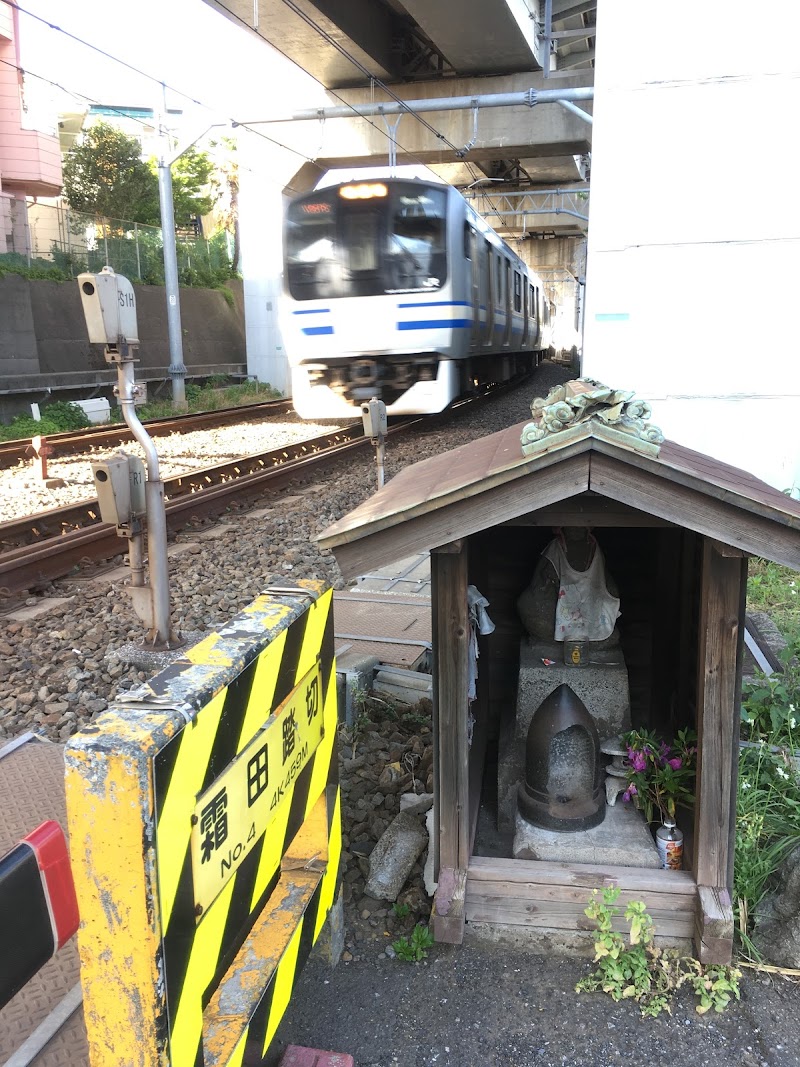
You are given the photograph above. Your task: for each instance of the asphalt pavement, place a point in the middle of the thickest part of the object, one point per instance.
(488, 1003)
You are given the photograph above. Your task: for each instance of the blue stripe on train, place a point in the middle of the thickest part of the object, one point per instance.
(436, 324)
(439, 304)
(312, 311)
(312, 331)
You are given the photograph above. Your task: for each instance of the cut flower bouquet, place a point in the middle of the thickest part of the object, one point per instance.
(660, 776)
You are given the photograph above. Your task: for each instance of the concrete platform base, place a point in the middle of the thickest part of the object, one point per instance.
(623, 839)
(147, 659)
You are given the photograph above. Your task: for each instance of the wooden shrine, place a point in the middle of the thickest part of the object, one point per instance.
(676, 528)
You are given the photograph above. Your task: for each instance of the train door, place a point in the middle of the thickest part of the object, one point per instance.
(536, 320)
(472, 250)
(499, 331)
(507, 296)
(488, 294)
(526, 326)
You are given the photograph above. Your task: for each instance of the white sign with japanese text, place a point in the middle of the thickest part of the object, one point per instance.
(231, 816)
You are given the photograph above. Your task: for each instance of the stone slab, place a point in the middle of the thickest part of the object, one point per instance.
(183, 548)
(602, 685)
(623, 839)
(258, 513)
(216, 533)
(33, 611)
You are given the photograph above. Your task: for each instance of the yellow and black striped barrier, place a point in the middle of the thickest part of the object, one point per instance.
(205, 834)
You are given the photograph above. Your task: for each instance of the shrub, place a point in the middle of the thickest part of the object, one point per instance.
(58, 417)
(639, 971)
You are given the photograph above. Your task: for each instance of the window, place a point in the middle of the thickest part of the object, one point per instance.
(499, 293)
(517, 291)
(417, 250)
(361, 241)
(468, 234)
(310, 242)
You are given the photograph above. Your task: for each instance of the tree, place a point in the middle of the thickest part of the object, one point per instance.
(191, 186)
(225, 183)
(104, 174)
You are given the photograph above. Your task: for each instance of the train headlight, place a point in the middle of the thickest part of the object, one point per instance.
(364, 191)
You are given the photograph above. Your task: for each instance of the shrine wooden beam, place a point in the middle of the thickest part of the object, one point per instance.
(721, 629)
(451, 749)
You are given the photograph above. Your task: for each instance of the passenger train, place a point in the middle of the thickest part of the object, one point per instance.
(397, 289)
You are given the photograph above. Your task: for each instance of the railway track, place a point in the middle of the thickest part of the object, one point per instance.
(53, 544)
(76, 441)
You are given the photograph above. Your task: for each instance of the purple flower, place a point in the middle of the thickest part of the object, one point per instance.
(629, 792)
(676, 763)
(638, 760)
(663, 749)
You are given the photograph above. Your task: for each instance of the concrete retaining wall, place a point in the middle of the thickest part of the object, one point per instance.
(43, 343)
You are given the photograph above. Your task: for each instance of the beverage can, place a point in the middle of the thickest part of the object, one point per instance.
(669, 841)
(575, 653)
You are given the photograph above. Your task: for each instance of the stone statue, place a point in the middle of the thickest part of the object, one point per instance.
(571, 596)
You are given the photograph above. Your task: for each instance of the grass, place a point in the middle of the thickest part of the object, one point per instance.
(218, 392)
(215, 394)
(774, 589)
(768, 794)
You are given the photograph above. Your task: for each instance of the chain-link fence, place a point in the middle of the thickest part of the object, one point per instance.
(52, 238)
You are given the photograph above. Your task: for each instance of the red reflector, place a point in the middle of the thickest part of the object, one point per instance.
(50, 847)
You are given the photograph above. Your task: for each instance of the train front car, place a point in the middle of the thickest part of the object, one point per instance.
(375, 302)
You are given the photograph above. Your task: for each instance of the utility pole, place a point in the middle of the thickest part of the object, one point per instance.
(177, 368)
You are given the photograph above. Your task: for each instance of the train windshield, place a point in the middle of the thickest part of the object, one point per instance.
(416, 258)
(390, 239)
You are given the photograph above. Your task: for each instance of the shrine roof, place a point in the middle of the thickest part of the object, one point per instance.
(490, 481)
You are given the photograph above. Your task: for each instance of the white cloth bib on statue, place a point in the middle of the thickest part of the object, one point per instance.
(585, 610)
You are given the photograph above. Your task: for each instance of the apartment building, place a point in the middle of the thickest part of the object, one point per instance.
(30, 160)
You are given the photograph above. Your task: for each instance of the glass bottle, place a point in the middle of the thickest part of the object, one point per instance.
(669, 840)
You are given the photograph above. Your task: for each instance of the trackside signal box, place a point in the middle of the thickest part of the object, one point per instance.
(109, 307)
(119, 484)
(204, 822)
(373, 416)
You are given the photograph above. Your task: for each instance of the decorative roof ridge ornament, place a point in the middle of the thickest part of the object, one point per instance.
(584, 407)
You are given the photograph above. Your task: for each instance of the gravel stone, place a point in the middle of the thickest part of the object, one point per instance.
(65, 652)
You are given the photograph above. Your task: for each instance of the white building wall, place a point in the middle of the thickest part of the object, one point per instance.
(694, 246)
(260, 226)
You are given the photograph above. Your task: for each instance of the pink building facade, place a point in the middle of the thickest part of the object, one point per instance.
(30, 161)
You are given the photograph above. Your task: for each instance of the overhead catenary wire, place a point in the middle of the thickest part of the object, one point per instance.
(199, 103)
(142, 74)
(352, 107)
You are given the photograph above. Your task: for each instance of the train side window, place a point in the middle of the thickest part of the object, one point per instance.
(499, 294)
(534, 305)
(517, 291)
(468, 234)
(525, 311)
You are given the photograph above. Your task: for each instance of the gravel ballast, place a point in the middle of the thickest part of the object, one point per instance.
(58, 669)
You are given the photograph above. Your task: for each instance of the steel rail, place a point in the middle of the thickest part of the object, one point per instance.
(76, 441)
(62, 539)
(55, 556)
(56, 522)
